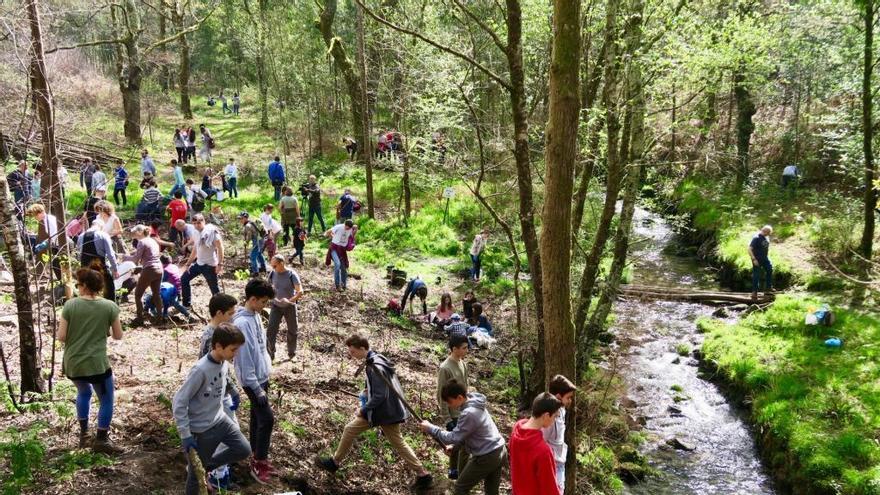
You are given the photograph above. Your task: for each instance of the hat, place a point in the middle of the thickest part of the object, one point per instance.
(243, 214)
(455, 316)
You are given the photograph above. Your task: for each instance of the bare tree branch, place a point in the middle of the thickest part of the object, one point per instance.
(84, 44)
(492, 34)
(195, 26)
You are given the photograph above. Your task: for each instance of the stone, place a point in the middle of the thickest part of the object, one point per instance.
(720, 313)
(677, 444)
(677, 360)
(631, 472)
(692, 362)
(632, 423)
(674, 409)
(628, 403)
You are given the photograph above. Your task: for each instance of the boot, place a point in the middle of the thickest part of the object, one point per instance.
(103, 445)
(83, 433)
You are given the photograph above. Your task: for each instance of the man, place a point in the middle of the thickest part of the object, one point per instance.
(532, 469)
(253, 239)
(288, 290)
(380, 407)
(206, 259)
(478, 433)
(187, 235)
(790, 176)
(147, 165)
(313, 193)
(415, 287)
(276, 176)
(345, 207)
(46, 239)
(453, 369)
(20, 184)
(351, 147)
(759, 251)
(85, 175)
(96, 252)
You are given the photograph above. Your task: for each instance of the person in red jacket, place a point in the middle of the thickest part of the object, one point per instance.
(532, 468)
(177, 208)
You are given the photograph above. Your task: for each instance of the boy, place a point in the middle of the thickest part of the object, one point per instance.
(532, 469)
(170, 298)
(415, 287)
(198, 408)
(288, 290)
(382, 408)
(120, 183)
(453, 369)
(253, 236)
(561, 388)
(221, 309)
(299, 240)
(457, 327)
(252, 367)
(477, 432)
(177, 209)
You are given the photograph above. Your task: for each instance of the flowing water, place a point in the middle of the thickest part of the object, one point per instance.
(725, 459)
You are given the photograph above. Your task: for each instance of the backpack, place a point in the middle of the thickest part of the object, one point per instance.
(211, 142)
(198, 204)
(357, 206)
(261, 229)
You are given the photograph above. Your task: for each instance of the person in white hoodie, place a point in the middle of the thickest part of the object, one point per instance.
(252, 367)
(561, 388)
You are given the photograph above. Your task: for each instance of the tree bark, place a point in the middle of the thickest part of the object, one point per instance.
(560, 155)
(745, 110)
(184, 69)
(365, 150)
(866, 246)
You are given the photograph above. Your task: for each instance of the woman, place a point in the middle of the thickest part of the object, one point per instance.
(179, 145)
(442, 316)
(112, 226)
(478, 319)
(191, 144)
(147, 256)
(86, 322)
(476, 253)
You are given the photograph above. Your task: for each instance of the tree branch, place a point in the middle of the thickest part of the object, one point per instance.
(381, 20)
(184, 32)
(492, 34)
(87, 43)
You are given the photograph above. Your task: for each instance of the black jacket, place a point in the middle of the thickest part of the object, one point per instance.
(383, 406)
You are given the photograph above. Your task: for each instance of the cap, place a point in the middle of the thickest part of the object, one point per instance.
(455, 316)
(243, 214)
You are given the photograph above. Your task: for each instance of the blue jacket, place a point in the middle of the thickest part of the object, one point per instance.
(276, 172)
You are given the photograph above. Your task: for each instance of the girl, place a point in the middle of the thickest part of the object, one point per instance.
(112, 225)
(147, 256)
(86, 322)
(179, 145)
(299, 240)
(442, 316)
(120, 184)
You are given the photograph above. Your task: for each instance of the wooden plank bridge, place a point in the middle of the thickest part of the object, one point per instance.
(635, 291)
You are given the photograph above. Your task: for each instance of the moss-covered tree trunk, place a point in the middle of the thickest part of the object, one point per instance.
(745, 127)
(559, 156)
(365, 150)
(866, 246)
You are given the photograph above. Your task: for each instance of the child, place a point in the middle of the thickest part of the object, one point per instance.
(272, 229)
(120, 184)
(477, 432)
(561, 388)
(453, 369)
(198, 408)
(254, 237)
(170, 297)
(253, 366)
(415, 287)
(532, 468)
(299, 240)
(177, 209)
(382, 408)
(478, 319)
(467, 304)
(457, 327)
(288, 290)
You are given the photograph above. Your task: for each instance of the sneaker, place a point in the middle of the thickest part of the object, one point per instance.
(453, 474)
(327, 464)
(423, 482)
(272, 469)
(260, 472)
(136, 322)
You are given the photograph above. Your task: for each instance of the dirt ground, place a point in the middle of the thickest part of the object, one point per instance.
(307, 393)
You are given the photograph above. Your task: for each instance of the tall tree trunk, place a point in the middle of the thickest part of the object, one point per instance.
(184, 70)
(866, 246)
(560, 155)
(262, 75)
(745, 110)
(128, 67)
(365, 150)
(524, 179)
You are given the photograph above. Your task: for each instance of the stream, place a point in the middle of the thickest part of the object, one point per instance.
(724, 459)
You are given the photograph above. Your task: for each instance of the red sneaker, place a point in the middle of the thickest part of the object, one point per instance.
(272, 470)
(260, 472)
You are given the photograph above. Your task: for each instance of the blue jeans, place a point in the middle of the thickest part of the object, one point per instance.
(176, 188)
(340, 273)
(312, 213)
(151, 309)
(756, 275)
(278, 186)
(210, 274)
(475, 266)
(232, 185)
(104, 390)
(257, 257)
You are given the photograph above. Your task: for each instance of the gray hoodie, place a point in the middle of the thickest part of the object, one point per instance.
(198, 405)
(475, 428)
(252, 362)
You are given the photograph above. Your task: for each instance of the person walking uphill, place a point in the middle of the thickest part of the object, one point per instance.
(759, 251)
(477, 432)
(86, 322)
(205, 259)
(276, 176)
(288, 206)
(253, 237)
(380, 406)
(313, 192)
(341, 241)
(288, 290)
(198, 408)
(252, 367)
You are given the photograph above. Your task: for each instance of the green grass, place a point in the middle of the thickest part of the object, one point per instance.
(822, 405)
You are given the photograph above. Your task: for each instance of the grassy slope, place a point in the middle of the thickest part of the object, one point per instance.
(819, 407)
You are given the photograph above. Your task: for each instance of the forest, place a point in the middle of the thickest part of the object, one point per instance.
(538, 248)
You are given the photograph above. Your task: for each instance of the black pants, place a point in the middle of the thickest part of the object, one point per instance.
(180, 155)
(116, 194)
(411, 294)
(262, 422)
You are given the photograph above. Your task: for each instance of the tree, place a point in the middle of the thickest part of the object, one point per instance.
(866, 246)
(259, 21)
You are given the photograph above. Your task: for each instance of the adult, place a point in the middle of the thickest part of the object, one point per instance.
(96, 252)
(207, 143)
(187, 235)
(147, 256)
(46, 239)
(288, 290)
(338, 252)
(253, 238)
(191, 144)
(179, 181)
(147, 164)
(20, 184)
(120, 184)
(276, 176)
(313, 192)
(225, 101)
(208, 183)
(453, 368)
(382, 144)
(289, 208)
(86, 171)
(415, 287)
(351, 146)
(112, 225)
(179, 146)
(759, 252)
(99, 180)
(206, 259)
(89, 208)
(790, 177)
(236, 103)
(476, 252)
(86, 322)
(231, 172)
(345, 206)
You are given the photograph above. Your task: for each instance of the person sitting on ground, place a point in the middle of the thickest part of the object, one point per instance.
(477, 432)
(208, 183)
(457, 327)
(253, 240)
(415, 287)
(442, 316)
(195, 197)
(479, 320)
(149, 207)
(299, 240)
(453, 368)
(198, 408)
(288, 290)
(86, 322)
(532, 468)
(467, 304)
(759, 251)
(147, 256)
(381, 406)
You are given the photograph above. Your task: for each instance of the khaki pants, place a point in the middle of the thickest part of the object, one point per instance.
(359, 425)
